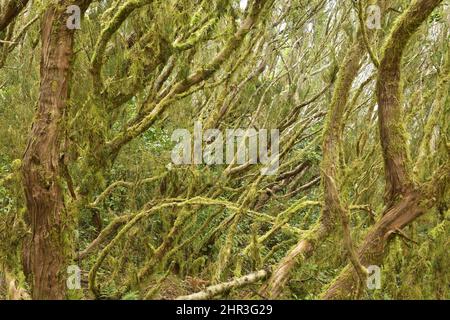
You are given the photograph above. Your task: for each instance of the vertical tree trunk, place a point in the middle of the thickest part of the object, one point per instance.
(44, 251)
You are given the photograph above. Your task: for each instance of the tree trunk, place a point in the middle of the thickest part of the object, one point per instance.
(330, 172)
(398, 169)
(372, 250)
(404, 200)
(44, 251)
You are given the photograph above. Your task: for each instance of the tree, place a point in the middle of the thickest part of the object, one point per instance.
(348, 101)
(45, 253)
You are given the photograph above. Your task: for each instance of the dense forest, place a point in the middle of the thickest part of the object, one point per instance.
(224, 149)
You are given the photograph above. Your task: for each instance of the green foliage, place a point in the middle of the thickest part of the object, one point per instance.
(280, 75)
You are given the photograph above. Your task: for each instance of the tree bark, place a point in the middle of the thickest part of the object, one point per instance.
(45, 252)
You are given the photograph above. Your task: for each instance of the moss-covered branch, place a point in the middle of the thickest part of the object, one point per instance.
(182, 86)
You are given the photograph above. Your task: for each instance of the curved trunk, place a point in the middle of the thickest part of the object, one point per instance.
(403, 198)
(372, 250)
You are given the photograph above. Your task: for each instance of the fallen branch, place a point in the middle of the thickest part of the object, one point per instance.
(217, 289)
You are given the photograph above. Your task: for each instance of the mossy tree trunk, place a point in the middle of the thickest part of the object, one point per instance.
(45, 253)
